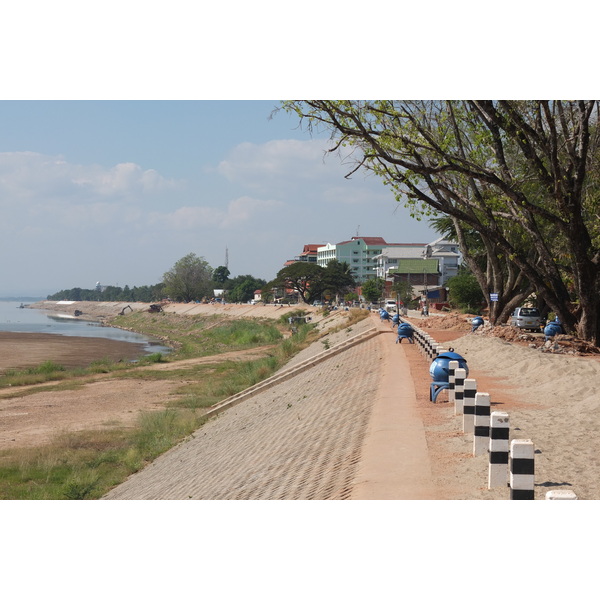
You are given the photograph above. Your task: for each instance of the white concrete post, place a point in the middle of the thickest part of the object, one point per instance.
(522, 472)
(452, 366)
(459, 385)
(561, 495)
(481, 424)
(499, 448)
(468, 402)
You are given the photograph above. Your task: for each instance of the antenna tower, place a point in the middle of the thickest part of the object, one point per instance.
(226, 257)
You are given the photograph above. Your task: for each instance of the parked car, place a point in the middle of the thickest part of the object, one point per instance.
(391, 306)
(526, 318)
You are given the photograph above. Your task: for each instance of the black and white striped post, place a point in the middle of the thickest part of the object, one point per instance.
(481, 423)
(522, 472)
(459, 384)
(499, 448)
(452, 366)
(467, 406)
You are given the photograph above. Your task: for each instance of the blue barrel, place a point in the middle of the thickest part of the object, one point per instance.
(405, 331)
(440, 367)
(553, 328)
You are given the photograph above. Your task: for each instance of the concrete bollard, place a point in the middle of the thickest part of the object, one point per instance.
(561, 495)
(499, 448)
(521, 470)
(468, 407)
(452, 366)
(459, 385)
(468, 403)
(481, 424)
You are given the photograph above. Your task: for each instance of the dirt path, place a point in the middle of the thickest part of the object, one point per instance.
(102, 401)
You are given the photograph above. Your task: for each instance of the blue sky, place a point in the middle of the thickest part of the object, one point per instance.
(118, 191)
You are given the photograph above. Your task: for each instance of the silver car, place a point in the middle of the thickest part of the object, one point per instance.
(526, 318)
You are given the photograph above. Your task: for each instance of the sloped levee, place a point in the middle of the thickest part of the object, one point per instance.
(300, 439)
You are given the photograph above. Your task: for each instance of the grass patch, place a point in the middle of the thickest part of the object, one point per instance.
(86, 465)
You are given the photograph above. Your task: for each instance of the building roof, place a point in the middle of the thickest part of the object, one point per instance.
(369, 241)
(404, 251)
(415, 265)
(310, 249)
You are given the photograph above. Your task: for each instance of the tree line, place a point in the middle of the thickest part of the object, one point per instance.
(191, 279)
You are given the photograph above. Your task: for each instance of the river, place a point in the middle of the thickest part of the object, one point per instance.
(26, 320)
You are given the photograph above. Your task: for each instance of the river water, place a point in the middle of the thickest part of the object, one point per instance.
(27, 320)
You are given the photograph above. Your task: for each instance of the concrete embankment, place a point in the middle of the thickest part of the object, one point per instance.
(334, 430)
(105, 310)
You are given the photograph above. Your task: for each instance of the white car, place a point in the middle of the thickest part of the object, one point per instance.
(391, 306)
(526, 318)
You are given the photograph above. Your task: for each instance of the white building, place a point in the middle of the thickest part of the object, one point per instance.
(361, 254)
(446, 252)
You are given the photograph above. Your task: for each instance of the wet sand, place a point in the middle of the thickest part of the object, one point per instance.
(22, 350)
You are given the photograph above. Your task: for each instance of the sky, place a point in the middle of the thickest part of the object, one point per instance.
(117, 191)
(132, 135)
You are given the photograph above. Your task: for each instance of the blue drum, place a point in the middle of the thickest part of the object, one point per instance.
(440, 372)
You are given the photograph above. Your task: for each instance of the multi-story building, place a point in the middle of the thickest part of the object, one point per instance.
(371, 257)
(359, 252)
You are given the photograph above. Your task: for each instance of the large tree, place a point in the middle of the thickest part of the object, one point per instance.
(189, 279)
(338, 278)
(372, 289)
(492, 269)
(516, 172)
(305, 278)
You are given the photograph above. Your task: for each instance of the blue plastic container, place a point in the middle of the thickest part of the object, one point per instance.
(440, 367)
(553, 328)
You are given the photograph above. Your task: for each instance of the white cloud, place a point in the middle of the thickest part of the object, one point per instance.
(238, 212)
(30, 176)
(280, 163)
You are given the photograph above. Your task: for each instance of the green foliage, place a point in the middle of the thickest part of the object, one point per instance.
(465, 292)
(242, 288)
(338, 277)
(372, 289)
(305, 278)
(189, 279)
(145, 293)
(221, 275)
